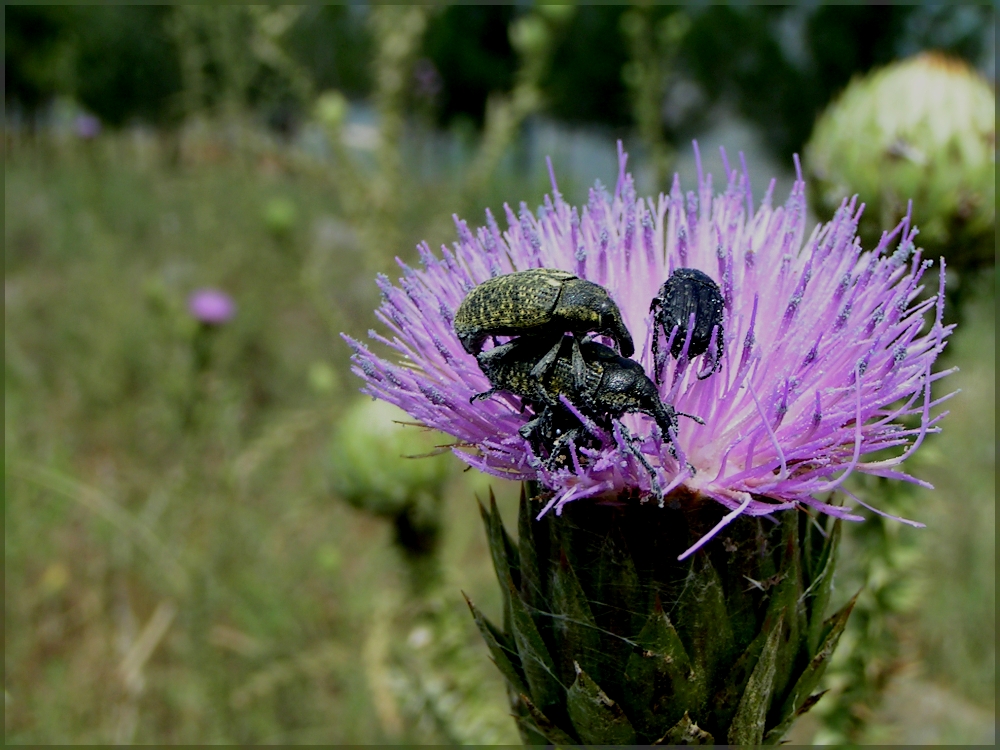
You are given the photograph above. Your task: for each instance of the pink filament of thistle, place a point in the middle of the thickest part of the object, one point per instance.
(726, 519)
(859, 501)
(830, 486)
(770, 433)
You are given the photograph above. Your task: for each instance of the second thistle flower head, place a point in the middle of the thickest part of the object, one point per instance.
(211, 307)
(825, 350)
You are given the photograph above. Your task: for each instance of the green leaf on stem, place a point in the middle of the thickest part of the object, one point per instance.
(799, 697)
(539, 669)
(544, 726)
(576, 635)
(703, 622)
(598, 720)
(748, 723)
(503, 652)
(658, 678)
(686, 732)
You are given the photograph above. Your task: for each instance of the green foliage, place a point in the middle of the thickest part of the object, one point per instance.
(956, 571)
(653, 53)
(384, 464)
(607, 639)
(333, 43)
(35, 59)
(927, 593)
(140, 78)
(584, 84)
(470, 48)
(118, 61)
(280, 216)
(119, 507)
(781, 66)
(437, 677)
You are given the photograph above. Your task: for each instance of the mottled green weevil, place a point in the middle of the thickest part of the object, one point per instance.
(545, 303)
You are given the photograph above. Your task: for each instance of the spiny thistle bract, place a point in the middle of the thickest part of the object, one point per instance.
(827, 358)
(608, 639)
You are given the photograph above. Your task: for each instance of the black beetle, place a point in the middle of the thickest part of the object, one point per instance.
(612, 386)
(545, 303)
(688, 291)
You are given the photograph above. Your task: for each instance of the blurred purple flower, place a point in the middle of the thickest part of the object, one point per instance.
(211, 306)
(826, 348)
(87, 127)
(428, 80)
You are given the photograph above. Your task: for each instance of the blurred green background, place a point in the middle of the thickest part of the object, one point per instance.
(187, 557)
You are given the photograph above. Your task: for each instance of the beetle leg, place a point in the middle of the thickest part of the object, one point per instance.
(661, 363)
(654, 307)
(712, 355)
(545, 363)
(541, 420)
(699, 420)
(666, 420)
(560, 443)
(630, 442)
(579, 367)
(529, 429)
(671, 444)
(656, 352)
(498, 351)
(483, 395)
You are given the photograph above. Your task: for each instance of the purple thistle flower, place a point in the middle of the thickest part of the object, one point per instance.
(211, 306)
(825, 345)
(87, 127)
(426, 78)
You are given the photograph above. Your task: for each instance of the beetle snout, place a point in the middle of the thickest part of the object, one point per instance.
(612, 325)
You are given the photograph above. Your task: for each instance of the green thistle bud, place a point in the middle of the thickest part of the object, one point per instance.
(331, 109)
(379, 458)
(923, 128)
(280, 216)
(529, 35)
(608, 639)
(381, 464)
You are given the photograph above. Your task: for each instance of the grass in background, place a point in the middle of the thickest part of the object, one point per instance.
(177, 568)
(917, 662)
(136, 484)
(958, 570)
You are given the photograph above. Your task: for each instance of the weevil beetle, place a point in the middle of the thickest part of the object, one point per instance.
(540, 301)
(612, 386)
(545, 303)
(688, 291)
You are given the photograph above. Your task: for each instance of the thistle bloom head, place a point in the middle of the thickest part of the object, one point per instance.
(827, 347)
(87, 127)
(211, 306)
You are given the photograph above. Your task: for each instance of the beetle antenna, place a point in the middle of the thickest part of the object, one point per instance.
(699, 420)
